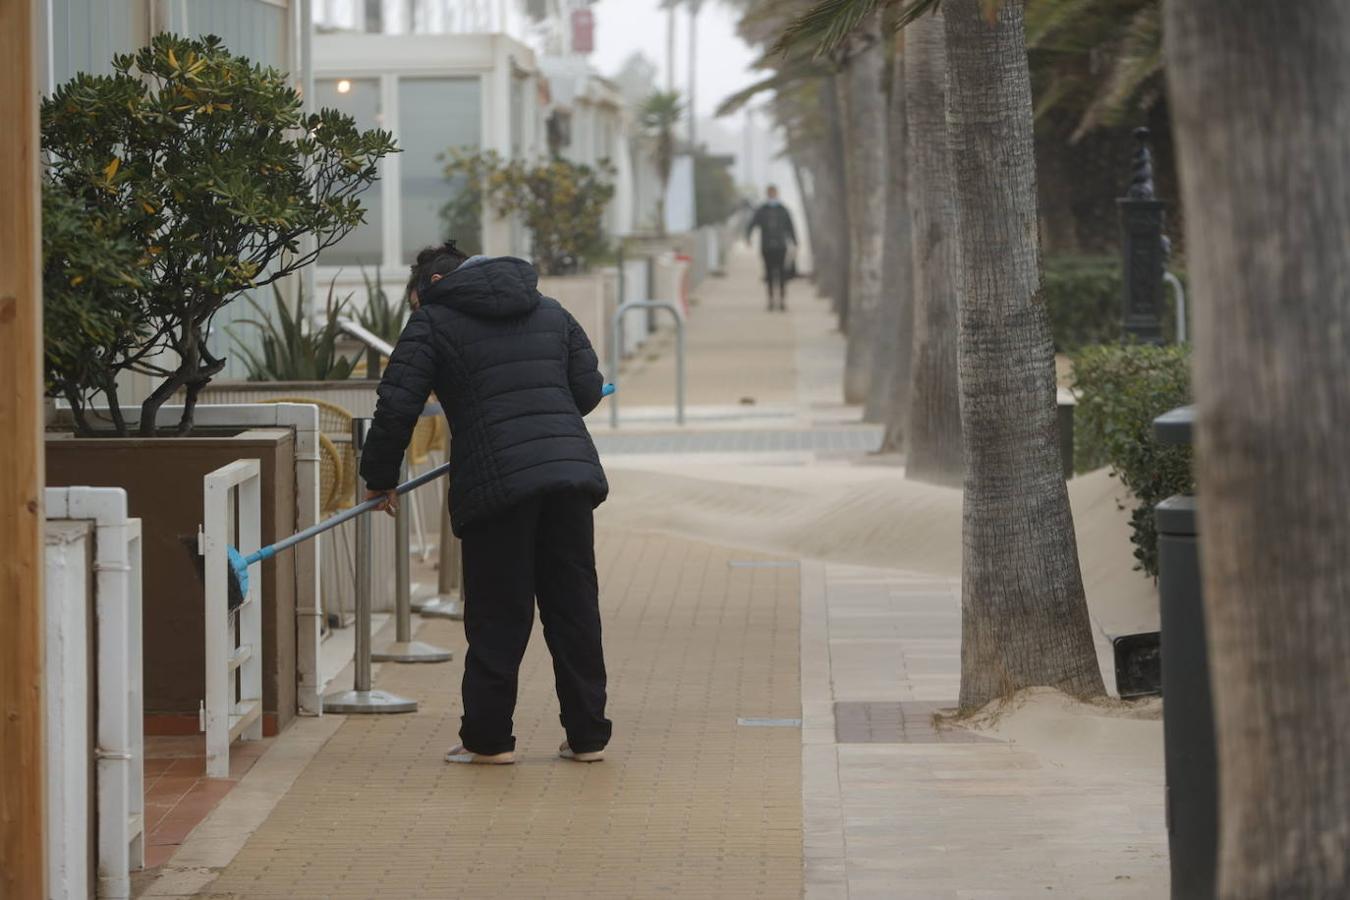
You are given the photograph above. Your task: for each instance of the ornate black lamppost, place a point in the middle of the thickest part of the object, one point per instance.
(1145, 248)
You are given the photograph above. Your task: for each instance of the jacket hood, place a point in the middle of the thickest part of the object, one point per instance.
(500, 288)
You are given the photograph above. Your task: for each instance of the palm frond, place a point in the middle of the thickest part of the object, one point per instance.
(825, 26)
(1138, 60)
(779, 81)
(828, 25)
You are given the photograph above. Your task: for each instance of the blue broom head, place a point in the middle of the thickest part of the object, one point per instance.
(238, 577)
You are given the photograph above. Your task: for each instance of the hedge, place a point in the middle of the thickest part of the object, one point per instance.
(1084, 295)
(1121, 390)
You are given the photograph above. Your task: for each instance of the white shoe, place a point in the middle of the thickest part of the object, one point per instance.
(565, 751)
(458, 754)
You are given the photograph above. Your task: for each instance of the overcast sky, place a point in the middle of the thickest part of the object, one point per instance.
(624, 26)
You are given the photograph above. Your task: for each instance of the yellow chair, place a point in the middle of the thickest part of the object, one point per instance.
(335, 424)
(337, 491)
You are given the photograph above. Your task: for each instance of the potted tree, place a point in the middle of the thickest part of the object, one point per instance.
(186, 178)
(562, 205)
(209, 166)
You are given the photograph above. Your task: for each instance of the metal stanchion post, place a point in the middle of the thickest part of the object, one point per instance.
(362, 699)
(404, 649)
(449, 600)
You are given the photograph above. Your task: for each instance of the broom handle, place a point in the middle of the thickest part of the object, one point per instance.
(348, 514)
(345, 516)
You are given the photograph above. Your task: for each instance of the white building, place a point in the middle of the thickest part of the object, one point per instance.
(588, 124)
(434, 93)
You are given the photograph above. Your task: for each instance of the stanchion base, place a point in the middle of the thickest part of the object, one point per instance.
(411, 652)
(443, 607)
(356, 702)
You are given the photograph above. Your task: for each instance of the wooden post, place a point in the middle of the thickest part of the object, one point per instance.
(22, 823)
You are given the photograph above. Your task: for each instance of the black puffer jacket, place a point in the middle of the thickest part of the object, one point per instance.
(514, 372)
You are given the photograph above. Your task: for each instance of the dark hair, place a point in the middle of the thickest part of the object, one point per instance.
(439, 259)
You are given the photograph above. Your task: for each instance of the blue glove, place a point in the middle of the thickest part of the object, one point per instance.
(609, 389)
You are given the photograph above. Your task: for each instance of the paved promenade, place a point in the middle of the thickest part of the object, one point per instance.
(774, 728)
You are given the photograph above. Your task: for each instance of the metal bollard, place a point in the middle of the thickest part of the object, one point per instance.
(403, 649)
(449, 601)
(362, 699)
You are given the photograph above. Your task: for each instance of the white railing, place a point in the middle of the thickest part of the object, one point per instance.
(233, 705)
(114, 635)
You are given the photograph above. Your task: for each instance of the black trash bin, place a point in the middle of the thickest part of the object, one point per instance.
(1188, 713)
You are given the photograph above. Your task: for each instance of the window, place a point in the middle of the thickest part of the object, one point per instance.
(435, 115)
(360, 99)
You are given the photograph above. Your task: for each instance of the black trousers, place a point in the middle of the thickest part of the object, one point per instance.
(544, 550)
(775, 273)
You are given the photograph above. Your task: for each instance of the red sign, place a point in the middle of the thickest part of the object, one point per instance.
(583, 31)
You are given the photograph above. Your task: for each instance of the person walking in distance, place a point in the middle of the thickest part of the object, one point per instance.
(515, 374)
(775, 231)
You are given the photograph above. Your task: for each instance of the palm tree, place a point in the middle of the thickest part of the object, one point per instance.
(888, 392)
(1024, 613)
(933, 428)
(1260, 94)
(658, 117)
(1021, 588)
(863, 98)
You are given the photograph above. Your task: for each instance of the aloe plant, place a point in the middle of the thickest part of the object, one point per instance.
(382, 316)
(292, 349)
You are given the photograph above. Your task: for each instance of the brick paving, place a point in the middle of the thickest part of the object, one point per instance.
(688, 804)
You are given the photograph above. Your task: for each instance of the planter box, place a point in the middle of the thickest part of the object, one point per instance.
(163, 481)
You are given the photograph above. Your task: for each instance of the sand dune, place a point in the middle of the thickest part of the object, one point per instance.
(866, 515)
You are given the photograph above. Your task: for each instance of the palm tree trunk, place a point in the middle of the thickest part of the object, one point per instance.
(888, 392)
(1024, 616)
(1260, 94)
(934, 433)
(865, 101)
(832, 196)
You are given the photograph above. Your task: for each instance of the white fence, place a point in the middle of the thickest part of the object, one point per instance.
(96, 643)
(233, 705)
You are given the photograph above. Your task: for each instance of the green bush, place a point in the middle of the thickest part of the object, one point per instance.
(1084, 297)
(1121, 390)
(91, 275)
(1082, 294)
(562, 204)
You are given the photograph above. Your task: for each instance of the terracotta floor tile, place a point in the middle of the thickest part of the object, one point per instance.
(188, 765)
(157, 855)
(173, 746)
(156, 766)
(171, 786)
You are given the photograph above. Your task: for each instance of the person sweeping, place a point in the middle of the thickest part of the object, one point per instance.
(515, 374)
